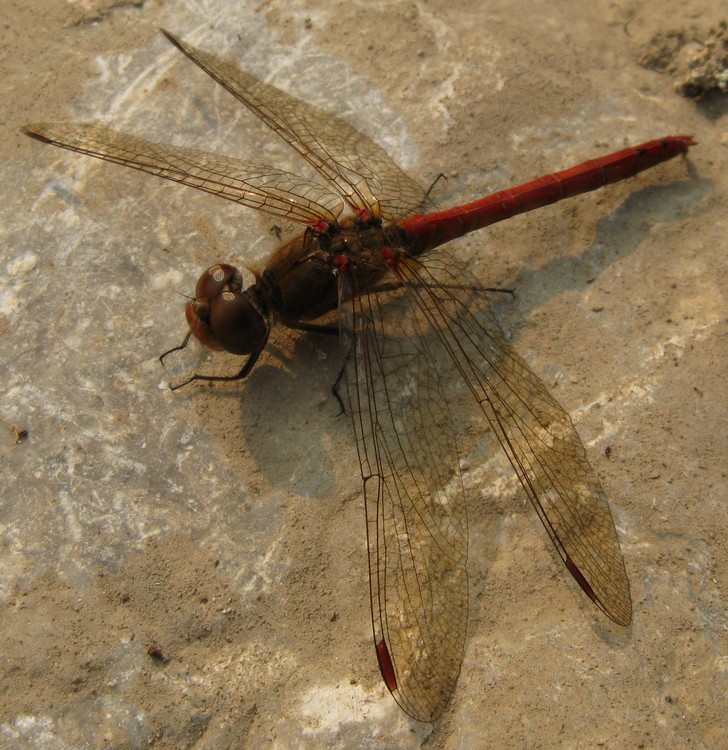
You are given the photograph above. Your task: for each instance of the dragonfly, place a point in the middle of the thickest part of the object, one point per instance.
(418, 332)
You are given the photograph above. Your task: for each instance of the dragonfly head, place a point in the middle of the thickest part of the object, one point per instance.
(225, 316)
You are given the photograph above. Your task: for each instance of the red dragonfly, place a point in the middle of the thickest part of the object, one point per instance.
(418, 330)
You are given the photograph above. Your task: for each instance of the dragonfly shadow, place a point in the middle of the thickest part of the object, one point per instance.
(617, 236)
(289, 419)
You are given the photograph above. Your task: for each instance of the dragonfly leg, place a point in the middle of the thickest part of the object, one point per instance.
(329, 330)
(335, 388)
(394, 285)
(244, 372)
(459, 287)
(499, 290)
(437, 179)
(184, 343)
(310, 327)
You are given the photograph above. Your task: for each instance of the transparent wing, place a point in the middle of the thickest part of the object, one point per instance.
(535, 432)
(411, 350)
(361, 171)
(417, 533)
(264, 188)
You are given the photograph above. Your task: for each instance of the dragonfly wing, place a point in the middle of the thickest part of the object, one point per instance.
(264, 188)
(416, 517)
(413, 349)
(535, 432)
(360, 171)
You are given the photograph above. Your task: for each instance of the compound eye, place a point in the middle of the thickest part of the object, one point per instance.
(216, 279)
(237, 326)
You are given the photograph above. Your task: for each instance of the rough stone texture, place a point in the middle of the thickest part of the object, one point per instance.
(189, 569)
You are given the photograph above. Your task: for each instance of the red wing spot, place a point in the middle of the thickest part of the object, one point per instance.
(579, 578)
(386, 667)
(341, 262)
(38, 136)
